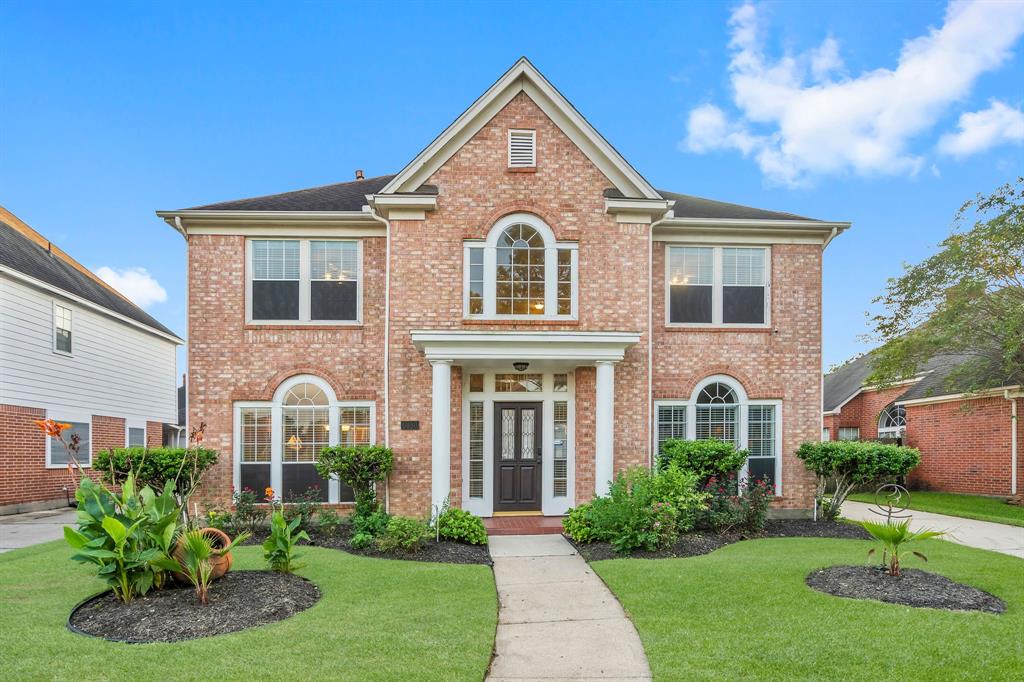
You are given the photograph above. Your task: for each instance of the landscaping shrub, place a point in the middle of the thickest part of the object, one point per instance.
(732, 506)
(279, 548)
(643, 510)
(893, 537)
(129, 536)
(846, 464)
(461, 526)
(402, 533)
(371, 524)
(361, 541)
(304, 507)
(154, 467)
(359, 466)
(705, 458)
(328, 522)
(249, 515)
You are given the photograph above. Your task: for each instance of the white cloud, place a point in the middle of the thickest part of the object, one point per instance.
(981, 130)
(800, 118)
(135, 283)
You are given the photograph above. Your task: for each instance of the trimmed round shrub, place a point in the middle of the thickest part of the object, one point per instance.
(461, 526)
(705, 458)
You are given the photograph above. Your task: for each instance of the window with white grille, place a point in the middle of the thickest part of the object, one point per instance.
(522, 148)
(476, 449)
(671, 423)
(713, 285)
(849, 433)
(304, 281)
(561, 449)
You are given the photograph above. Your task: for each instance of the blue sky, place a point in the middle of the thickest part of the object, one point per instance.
(889, 115)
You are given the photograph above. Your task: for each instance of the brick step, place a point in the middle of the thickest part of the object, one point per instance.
(523, 525)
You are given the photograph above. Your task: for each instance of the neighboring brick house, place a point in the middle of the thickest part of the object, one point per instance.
(75, 350)
(968, 442)
(500, 314)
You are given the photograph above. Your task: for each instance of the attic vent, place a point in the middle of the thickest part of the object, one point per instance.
(522, 148)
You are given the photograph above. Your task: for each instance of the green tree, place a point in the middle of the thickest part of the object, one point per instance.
(967, 299)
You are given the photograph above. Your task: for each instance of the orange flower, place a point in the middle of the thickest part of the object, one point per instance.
(50, 427)
(268, 492)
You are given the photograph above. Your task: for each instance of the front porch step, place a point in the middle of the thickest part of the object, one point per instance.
(523, 525)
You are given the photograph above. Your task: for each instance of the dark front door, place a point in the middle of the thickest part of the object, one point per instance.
(517, 454)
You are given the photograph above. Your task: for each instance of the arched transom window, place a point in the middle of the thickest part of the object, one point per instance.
(520, 271)
(892, 422)
(717, 413)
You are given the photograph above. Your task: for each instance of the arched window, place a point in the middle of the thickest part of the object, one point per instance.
(278, 442)
(719, 408)
(520, 271)
(892, 422)
(717, 413)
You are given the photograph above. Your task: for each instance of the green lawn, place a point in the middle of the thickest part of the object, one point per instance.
(744, 612)
(966, 506)
(377, 620)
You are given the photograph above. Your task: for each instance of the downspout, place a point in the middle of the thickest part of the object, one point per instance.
(188, 374)
(650, 339)
(387, 341)
(821, 370)
(1013, 440)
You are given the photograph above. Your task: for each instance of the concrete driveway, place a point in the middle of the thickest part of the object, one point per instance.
(997, 537)
(33, 528)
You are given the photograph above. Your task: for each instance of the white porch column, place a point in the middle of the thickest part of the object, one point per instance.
(604, 418)
(440, 433)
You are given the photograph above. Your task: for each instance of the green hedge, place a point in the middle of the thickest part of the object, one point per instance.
(705, 458)
(155, 466)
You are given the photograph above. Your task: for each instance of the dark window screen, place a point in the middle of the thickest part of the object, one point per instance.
(743, 305)
(690, 304)
(761, 468)
(275, 300)
(333, 300)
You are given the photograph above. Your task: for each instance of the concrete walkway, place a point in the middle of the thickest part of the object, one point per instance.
(557, 619)
(33, 528)
(998, 537)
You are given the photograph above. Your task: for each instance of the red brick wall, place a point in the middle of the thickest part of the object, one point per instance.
(863, 411)
(475, 189)
(965, 446)
(24, 478)
(778, 363)
(230, 361)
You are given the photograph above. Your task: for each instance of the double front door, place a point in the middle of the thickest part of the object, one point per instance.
(517, 456)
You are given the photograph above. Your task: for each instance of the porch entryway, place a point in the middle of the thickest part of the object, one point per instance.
(518, 456)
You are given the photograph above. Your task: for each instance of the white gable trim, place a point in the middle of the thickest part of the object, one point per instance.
(523, 77)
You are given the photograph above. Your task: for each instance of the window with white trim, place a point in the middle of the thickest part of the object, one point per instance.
(476, 449)
(61, 328)
(720, 409)
(849, 433)
(57, 453)
(304, 281)
(892, 422)
(136, 437)
(826, 435)
(560, 468)
(520, 271)
(717, 285)
(522, 148)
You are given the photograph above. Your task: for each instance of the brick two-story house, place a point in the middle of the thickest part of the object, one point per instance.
(517, 313)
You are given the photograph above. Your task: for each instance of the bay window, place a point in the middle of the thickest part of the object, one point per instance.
(717, 285)
(303, 281)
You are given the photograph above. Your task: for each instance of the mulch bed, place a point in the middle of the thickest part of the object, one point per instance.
(911, 588)
(238, 601)
(695, 544)
(445, 551)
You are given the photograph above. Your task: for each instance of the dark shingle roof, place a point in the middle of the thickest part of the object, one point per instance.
(686, 206)
(939, 378)
(341, 196)
(351, 196)
(20, 253)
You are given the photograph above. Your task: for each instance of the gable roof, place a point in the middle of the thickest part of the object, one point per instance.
(937, 377)
(523, 77)
(340, 196)
(24, 250)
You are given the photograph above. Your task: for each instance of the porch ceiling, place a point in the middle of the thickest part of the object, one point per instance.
(490, 347)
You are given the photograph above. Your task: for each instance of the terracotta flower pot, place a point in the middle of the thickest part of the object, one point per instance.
(220, 564)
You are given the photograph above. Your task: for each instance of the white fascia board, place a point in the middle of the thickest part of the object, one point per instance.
(522, 77)
(486, 345)
(269, 222)
(759, 231)
(637, 210)
(85, 303)
(955, 397)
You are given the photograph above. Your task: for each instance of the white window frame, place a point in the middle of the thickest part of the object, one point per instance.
(305, 286)
(533, 139)
(717, 287)
(743, 404)
(551, 249)
(66, 416)
(826, 434)
(135, 424)
(53, 329)
(841, 429)
(276, 406)
(891, 431)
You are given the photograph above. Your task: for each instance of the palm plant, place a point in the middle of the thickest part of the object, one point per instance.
(195, 564)
(893, 537)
